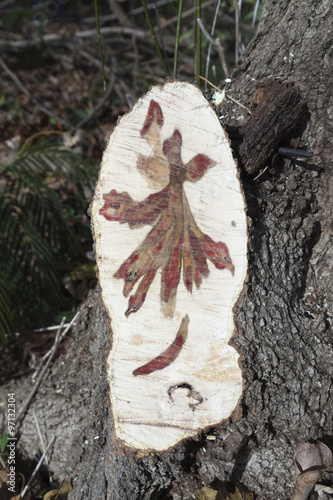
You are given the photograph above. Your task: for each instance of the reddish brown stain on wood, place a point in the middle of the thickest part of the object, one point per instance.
(169, 355)
(154, 115)
(175, 242)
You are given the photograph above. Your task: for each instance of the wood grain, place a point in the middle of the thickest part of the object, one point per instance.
(171, 243)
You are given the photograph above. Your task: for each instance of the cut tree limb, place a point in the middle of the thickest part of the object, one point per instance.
(171, 243)
(283, 320)
(277, 110)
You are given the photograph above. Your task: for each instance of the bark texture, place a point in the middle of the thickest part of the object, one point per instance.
(284, 336)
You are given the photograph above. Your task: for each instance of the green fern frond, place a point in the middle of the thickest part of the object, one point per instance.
(6, 316)
(41, 191)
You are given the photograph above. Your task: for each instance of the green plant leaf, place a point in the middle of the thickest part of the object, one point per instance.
(3, 442)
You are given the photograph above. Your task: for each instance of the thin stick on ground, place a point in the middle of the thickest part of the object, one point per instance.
(52, 352)
(46, 356)
(48, 328)
(227, 95)
(35, 388)
(238, 103)
(50, 38)
(37, 467)
(261, 173)
(40, 435)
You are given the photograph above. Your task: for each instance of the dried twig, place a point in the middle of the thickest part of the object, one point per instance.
(37, 384)
(56, 37)
(40, 435)
(209, 83)
(238, 103)
(119, 30)
(227, 95)
(48, 328)
(260, 174)
(50, 355)
(66, 327)
(37, 467)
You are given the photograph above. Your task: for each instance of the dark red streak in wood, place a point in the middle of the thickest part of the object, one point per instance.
(175, 244)
(154, 115)
(169, 355)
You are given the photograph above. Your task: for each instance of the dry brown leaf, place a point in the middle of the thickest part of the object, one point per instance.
(240, 493)
(222, 493)
(313, 456)
(208, 494)
(311, 460)
(323, 492)
(65, 487)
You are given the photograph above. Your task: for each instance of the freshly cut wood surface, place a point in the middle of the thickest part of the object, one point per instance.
(171, 244)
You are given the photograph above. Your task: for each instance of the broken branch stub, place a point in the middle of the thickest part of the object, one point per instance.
(171, 243)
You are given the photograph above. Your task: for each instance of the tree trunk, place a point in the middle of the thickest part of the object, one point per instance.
(283, 322)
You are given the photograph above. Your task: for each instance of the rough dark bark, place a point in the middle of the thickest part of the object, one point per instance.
(286, 342)
(276, 112)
